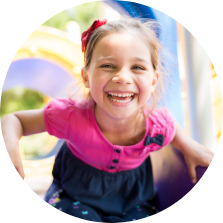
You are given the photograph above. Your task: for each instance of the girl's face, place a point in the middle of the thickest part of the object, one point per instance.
(120, 76)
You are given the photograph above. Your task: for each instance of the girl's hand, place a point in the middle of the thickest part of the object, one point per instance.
(195, 155)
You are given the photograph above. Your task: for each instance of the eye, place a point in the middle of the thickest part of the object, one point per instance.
(107, 66)
(139, 67)
(110, 66)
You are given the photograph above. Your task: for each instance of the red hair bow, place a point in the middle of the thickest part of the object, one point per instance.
(85, 35)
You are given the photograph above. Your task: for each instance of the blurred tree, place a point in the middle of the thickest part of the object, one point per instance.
(83, 14)
(20, 99)
(17, 99)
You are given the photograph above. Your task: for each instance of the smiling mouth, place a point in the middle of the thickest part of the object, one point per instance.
(121, 97)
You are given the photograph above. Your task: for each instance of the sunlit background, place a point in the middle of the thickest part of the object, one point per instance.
(52, 56)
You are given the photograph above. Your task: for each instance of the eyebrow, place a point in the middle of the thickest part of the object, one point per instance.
(111, 58)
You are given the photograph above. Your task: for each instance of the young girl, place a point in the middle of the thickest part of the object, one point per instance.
(103, 172)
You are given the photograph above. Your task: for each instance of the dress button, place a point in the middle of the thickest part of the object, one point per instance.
(115, 161)
(117, 151)
(111, 167)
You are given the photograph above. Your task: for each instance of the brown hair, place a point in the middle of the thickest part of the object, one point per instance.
(147, 31)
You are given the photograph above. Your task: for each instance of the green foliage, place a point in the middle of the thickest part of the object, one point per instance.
(20, 99)
(83, 14)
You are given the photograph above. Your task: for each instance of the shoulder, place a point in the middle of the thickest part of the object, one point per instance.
(65, 108)
(66, 104)
(160, 117)
(161, 122)
(62, 115)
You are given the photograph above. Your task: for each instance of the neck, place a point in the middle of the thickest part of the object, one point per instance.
(117, 126)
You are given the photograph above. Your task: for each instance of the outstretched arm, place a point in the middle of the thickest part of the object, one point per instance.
(194, 153)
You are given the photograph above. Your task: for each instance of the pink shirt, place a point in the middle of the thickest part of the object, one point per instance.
(68, 120)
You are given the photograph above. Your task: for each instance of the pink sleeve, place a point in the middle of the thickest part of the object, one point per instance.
(58, 116)
(162, 123)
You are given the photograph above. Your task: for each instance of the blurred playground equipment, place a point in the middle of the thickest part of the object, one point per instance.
(50, 60)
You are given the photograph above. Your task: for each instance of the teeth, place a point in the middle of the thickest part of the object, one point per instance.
(120, 101)
(120, 95)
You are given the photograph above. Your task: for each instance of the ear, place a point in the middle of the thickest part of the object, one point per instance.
(84, 76)
(155, 80)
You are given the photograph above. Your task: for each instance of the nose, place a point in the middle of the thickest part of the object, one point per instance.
(122, 77)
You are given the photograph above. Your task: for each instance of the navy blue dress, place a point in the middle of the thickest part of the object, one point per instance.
(85, 192)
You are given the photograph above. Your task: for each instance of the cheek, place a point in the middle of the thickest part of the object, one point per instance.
(97, 88)
(145, 87)
(98, 81)
(145, 95)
